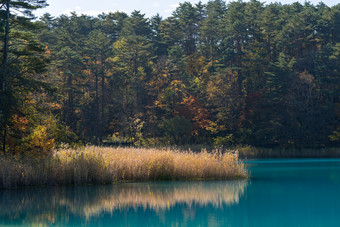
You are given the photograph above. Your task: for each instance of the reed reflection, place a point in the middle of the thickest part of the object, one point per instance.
(57, 205)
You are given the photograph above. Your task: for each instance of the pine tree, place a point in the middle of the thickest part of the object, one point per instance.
(19, 63)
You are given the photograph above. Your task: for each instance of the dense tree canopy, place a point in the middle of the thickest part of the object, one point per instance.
(215, 73)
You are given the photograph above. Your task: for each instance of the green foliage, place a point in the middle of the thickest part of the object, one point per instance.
(64, 136)
(335, 136)
(223, 141)
(176, 130)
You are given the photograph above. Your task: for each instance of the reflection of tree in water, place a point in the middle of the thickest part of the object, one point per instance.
(59, 204)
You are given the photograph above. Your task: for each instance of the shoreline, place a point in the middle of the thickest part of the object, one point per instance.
(267, 153)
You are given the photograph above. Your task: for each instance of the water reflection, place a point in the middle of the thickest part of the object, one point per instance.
(63, 205)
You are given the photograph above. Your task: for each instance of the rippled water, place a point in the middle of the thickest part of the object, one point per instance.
(279, 193)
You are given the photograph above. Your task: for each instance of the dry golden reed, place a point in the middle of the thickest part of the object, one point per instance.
(99, 165)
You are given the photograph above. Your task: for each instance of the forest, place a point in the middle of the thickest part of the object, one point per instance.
(221, 74)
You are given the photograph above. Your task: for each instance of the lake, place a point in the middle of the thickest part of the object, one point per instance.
(294, 192)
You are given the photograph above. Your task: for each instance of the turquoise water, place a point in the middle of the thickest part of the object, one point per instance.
(279, 193)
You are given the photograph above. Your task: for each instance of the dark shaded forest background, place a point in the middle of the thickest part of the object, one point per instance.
(216, 73)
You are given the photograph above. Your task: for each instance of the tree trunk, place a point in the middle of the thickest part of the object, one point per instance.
(5, 55)
(4, 73)
(102, 105)
(96, 126)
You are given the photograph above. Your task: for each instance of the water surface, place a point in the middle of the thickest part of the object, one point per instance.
(302, 192)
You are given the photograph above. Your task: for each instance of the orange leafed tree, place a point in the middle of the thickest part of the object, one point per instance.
(192, 109)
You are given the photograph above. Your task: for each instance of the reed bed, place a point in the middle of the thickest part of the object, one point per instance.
(98, 165)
